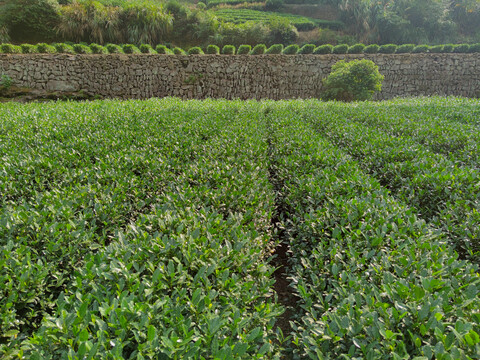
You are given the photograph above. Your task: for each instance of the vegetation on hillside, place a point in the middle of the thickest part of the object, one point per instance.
(224, 22)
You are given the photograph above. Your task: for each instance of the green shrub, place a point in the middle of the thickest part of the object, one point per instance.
(405, 48)
(420, 49)
(275, 49)
(371, 49)
(228, 50)
(244, 50)
(461, 48)
(213, 50)
(162, 49)
(323, 49)
(273, 5)
(291, 49)
(356, 49)
(448, 48)
(6, 82)
(196, 50)
(474, 48)
(98, 49)
(10, 49)
(130, 49)
(201, 5)
(178, 51)
(259, 49)
(28, 48)
(387, 49)
(351, 81)
(340, 49)
(146, 49)
(114, 49)
(43, 48)
(307, 49)
(63, 48)
(81, 49)
(436, 49)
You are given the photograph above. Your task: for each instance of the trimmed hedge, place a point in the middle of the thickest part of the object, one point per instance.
(82, 48)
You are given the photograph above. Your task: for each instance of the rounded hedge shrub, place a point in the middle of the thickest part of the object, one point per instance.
(291, 49)
(420, 49)
(275, 49)
(130, 49)
(356, 49)
(213, 50)
(387, 49)
(63, 48)
(146, 49)
(244, 50)
(114, 49)
(10, 49)
(273, 5)
(323, 49)
(447, 48)
(259, 49)
(340, 49)
(178, 51)
(196, 50)
(352, 81)
(474, 48)
(28, 48)
(371, 49)
(228, 50)
(436, 49)
(44, 48)
(307, 49)
(98, 49)
(405, 48)
(162, 49)
(461, 48)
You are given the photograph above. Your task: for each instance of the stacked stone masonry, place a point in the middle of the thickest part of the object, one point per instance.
(235, 77)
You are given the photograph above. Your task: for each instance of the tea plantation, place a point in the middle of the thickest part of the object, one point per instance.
(151, 229)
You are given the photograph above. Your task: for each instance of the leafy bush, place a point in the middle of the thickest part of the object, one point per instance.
(323, 49)
(371, 49)
(356, 49)
(130, 49)
(273, 5)
(291, 49)
(213, 49)
(196, 50)
(43, 48)
(405, 48)
(6, 82)
(81, 49)
(351, 81)
(340, 49)
(201, 5)
(114, 49)
(421, 49)
(244, 49)
(146, 49)
(307, 49)
(281, 31)
(178, 51)
(448, 48)
(474, 48)
(63, 48)
(229, 50)
(259, 49)
(98, 49)
(275, 49)
(436, 49)
(10, 49)
(461, 48)
(28, 48)
(164, 50)
(387, 49)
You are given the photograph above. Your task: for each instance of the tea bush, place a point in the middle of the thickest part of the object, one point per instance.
(323, 49)
(258, 49)
(275, 49)
(291, 50)
(228, 50)
(307, 49)
(244, 50)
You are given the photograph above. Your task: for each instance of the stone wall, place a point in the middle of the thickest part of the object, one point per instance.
(241, 76)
